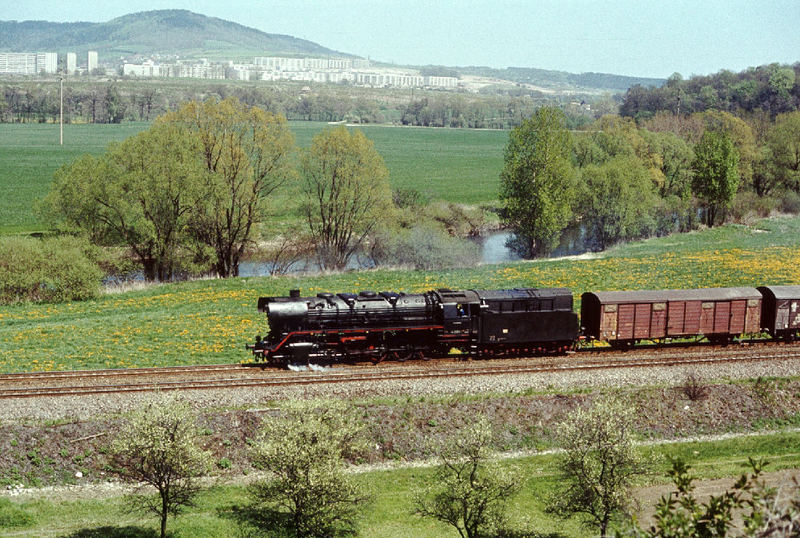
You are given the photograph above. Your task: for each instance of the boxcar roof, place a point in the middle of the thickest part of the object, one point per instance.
(783, 292)
(660, 296)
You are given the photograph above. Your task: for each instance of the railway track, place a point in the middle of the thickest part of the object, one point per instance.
(117, 372)
(273, 378)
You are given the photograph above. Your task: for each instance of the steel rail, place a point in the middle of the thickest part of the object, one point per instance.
(327, 377)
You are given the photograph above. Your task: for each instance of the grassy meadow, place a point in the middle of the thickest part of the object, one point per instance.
(222, 509)
(455, 165)
(208, 321)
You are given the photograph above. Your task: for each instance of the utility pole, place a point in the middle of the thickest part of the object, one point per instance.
(61, 110)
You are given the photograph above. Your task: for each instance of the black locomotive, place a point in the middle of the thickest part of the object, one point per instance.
(389, 325)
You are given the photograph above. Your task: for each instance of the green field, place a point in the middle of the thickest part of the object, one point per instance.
(30, 154)
(208, 321)
(457, 165)
(221, 510)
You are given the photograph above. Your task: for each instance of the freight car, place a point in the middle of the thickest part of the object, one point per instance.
(624, 317)
(376, 326)
(780, 311)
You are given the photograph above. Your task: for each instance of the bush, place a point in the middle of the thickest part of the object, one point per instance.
(790, 202)
(748, 207)
(458, 220)
(47, 270)
(466, 491)
(308, 492)
(423, 248)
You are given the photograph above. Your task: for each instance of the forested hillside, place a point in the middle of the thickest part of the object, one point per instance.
(771, 89)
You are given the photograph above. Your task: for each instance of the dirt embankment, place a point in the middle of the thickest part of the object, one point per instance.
(405, 429)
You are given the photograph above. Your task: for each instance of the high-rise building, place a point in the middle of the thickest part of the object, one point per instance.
(72, 62)
(91, 63)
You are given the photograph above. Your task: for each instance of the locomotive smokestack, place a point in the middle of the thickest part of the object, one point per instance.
(294, 294)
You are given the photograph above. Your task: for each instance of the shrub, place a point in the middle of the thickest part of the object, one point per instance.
(423, 248)
(748, 206)
(408, 199)
(47, 270)
(158, 450)
(457, 219)
(309, 493)
(467, 491)
(790, 202)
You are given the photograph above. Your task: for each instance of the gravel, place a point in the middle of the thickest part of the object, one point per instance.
(94, 406)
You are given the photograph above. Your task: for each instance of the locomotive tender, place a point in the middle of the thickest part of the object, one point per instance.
(486, 323)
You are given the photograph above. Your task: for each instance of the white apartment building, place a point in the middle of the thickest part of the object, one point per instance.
(147, 69)
(273, 68)
(28, 63)
(91, 61)
(72, 62)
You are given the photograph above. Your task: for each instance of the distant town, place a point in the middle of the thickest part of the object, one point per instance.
(266, 68)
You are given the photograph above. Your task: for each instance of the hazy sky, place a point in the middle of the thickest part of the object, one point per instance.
(626, 37)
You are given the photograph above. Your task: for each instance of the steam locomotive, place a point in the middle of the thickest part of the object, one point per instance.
(524, 321)
(390, 325)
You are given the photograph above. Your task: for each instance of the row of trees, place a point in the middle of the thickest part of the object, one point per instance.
(618, 180)
(124, 100)
(307, 491)
(187, 194)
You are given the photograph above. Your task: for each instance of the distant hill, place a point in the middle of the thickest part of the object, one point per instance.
(165, 32)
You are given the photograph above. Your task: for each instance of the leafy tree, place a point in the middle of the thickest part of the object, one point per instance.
(716, 172)
(741, 135)
(598, 465)
(783, 150)
(467, 492)
(113, 105)
(159, 449)
(140, 193)
(617, 201)
(309, 492)
(346, 189)
(672, 158)
(538, 182)
(245, 152)
(763, 511)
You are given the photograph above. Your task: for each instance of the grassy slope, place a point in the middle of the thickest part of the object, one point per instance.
(456, 165)
(208, 321)
(219, 510)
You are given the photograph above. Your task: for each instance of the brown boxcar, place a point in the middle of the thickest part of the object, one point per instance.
(780, 311)
(628, 316)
